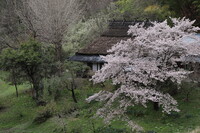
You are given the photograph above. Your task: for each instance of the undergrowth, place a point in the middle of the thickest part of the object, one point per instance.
(23, 115)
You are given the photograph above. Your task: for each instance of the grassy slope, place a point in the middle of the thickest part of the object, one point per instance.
(6, 89)
(19, 113)
(185, 121)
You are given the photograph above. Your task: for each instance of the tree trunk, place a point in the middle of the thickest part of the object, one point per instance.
(59, 57)
(17, 94)
(15, 83)
(187, 96)
(73, 94)
(156, 106)
(58, 50)
(36, 93)
(36, 90)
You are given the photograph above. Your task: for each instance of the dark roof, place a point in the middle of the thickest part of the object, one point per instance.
(101, 45)
(126, 24)
(193, 59)
(116, 32)
(120, 28)
(87, 58)
(189, 40)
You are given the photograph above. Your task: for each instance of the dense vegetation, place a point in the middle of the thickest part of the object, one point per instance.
(42, 92)
(21, 114)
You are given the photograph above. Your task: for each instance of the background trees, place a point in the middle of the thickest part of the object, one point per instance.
(94, 6)
(141, 64)
(8, 63)
(48, 20)
(141, 9)
(184, 8)
(31, 62)
(12, 31)
(35, 64)
(157, 9)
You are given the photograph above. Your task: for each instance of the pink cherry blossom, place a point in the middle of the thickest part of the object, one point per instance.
(140, 63)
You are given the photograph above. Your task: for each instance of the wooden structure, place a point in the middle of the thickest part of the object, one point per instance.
(116, 32)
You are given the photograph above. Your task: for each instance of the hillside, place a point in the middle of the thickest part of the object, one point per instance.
(17, 115)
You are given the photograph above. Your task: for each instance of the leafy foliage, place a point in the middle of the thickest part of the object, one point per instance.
(157, 12)
(12, 31)
(31, 62)
(45, 113)
(151, 121)
(141, 9)
(184, 8)
(110, 130)
(84, 32)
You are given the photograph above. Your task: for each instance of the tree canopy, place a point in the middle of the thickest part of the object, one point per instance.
(139, 65)
(30, 62)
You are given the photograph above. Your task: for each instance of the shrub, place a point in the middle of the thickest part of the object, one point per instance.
(150, 132)
(136, 112)
(187, 88)
(45, 113)
(53, 87)
(76, 130)
(2, 107)
(70, 109)
(174, 115)
(84, 32)
(110, 129)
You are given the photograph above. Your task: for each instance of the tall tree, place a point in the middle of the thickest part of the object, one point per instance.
(11, 29)
(139, 66)
(184, 8)
(94, 6)
(8, 63)
(49, 20)
(135, 9)
(30, 62)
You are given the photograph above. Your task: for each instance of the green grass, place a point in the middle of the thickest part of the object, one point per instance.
(19, 113)
(6, 89)
(186, 120)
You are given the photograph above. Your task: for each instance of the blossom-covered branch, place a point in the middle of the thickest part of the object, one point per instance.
(142, 62)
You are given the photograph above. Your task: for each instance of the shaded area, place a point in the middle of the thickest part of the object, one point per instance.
(87, 58)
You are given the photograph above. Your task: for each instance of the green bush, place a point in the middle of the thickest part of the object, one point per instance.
(45, 113)
(69, 109)
(2, 107)
(187, 88)
(84, 32)
(110, 129)
(136, 112)
(53, 87)
(150, 132)
(76, 130)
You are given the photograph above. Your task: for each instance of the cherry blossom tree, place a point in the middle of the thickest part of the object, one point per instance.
(139, 64)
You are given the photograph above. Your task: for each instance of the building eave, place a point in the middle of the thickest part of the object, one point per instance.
(87, 58)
